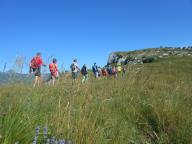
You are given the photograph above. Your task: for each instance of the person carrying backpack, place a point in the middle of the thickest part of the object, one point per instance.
(104, 72)
(99, 71)
(119, 68)
(110, 70)
(84, 72)
(114, 71)
(123, 71)
(75, 70)
(95, 70)
(35, 68)
(54, 71)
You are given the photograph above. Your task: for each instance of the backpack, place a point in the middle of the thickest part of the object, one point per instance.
(73, 67)
(33, 63)
(84, 70)
(52, 67)
(94, 69)
(110, 71)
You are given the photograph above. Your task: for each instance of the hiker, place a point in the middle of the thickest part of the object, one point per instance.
(75, 70)
(84, 72)
(104, 72)
(54, 71)
(109, 70)
(123, 71)
(95, 70)
(99, 72)
(35, 68)
(115, 71)
(119, 68)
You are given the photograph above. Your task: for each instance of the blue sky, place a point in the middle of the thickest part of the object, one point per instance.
(90, 30)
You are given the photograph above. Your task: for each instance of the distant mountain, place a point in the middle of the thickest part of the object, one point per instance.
(148, 55)
(13, 77)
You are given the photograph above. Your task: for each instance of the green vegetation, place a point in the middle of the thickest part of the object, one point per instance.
(149, 59)
(151, 105)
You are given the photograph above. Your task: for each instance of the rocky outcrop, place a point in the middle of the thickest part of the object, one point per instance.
(112, 57)
(148, 55)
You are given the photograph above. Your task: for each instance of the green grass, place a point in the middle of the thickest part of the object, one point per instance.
(151, 105)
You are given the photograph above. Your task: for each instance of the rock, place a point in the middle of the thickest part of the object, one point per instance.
(112, 58)
(145, 55)
(122, 60)
(165, 54)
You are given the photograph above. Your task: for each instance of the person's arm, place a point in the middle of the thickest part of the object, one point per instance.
(42, 63)
(78, 67)
(39, 61)
(56, 67)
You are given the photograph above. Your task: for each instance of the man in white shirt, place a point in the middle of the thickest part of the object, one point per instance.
(75, 70)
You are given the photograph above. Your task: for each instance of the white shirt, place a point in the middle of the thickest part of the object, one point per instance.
(76, 67)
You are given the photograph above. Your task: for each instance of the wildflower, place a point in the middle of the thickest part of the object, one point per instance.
(62, 142)
(56, 142)
(48, 141)
(68, 142)
(45, 133)
(52, 141)
(37, 130)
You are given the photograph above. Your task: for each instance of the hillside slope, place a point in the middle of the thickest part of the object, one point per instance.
(152, 104)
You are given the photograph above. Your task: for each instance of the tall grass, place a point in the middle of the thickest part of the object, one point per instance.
(152, 104)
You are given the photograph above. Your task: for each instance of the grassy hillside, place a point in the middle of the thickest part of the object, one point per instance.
(152, 104)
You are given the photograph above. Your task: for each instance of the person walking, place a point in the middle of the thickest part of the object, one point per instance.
(54, 71)
(75, 70)
(95, 70)
(123, 71)
(119, 68)
(104, 72)
(99, 72)
(35, 68)
(115, 71)
(109, 70)
(84, 72)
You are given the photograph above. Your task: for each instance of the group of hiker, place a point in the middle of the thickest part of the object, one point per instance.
(108, 71)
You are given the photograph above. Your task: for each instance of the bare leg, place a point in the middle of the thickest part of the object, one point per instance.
(53, 80)
(39, 80)
(35, 82)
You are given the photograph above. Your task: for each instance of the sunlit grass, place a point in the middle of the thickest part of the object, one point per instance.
(152, 104)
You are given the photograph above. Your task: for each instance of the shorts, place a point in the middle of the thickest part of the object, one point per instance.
(36, 71)
(54, 75)
(96, 74)
(74, 75)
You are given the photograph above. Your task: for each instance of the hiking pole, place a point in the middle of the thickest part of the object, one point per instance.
(4, 68)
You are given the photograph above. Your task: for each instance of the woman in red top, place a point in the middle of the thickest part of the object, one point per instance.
(54, 71)
(35, 68)
(104, 72)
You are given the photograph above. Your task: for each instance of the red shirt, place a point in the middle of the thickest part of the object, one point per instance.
(104, 72)
(39, 61)
(53, 68)
(36, 62)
